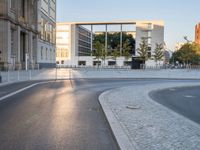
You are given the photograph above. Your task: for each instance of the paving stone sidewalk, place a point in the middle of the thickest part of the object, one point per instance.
(147, 124)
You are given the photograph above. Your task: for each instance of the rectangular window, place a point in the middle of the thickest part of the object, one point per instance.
(41, 53)
(46, 53)
(22, 8)
(50, 54)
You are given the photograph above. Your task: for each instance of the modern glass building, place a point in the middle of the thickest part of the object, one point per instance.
(78, 44)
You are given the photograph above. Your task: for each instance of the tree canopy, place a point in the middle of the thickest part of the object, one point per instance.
(143, 50)
(189, 53)
(128, 42)
(158, 52)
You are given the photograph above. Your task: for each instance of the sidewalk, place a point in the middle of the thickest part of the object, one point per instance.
(92, 73)
(146, 125)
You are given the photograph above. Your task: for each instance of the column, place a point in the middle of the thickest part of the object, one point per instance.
(17, 45)
(121, 39)
(91, 38)
(27, 56)
(30, 47)
(106, 38)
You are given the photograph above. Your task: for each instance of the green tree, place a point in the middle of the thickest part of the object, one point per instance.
(187, 54)
(158, 52)
(143, 50)
(114, 40)
(115, 54)
(126, 50)
(98, 51)
(104, 55)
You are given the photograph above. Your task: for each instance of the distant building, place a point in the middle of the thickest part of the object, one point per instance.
(27, 33)
(75, 42)
(72, 43)
(47, 33)
(18, 33)
(197, 33)
(178, 45)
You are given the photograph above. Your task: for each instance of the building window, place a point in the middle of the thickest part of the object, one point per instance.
(46, 53)
(41, 53)
(81, 63)
(22, 8)
(12, 4)
(111, 63)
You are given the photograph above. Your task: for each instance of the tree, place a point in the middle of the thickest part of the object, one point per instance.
(114, 54)
(143, 50)
(158, 52)
(189, 53)
(114, 40)
(104, 55)
(126, 50)
(98, 51)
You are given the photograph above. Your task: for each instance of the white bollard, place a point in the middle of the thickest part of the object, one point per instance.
(30, 77)
(18, 78)
(8, 76)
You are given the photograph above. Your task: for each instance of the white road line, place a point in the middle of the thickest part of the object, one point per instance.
(21, 90)
(189, 96)
(172, 89)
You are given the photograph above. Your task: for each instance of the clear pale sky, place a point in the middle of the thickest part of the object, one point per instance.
(180, 16)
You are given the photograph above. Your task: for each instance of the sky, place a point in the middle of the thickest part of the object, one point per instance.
(180, 16)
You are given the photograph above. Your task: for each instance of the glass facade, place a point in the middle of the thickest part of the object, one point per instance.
(48, 27)
(63, 43)
(84, 42)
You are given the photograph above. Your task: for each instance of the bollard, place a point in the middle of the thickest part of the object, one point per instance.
(0, 79)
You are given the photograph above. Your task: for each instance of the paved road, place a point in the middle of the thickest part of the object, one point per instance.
(62, 115)
(185, 101)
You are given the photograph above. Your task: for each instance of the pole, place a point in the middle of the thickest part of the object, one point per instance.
(56, 74)
(8, 76)
(29, 74)
(18, 75)
(121, 36)
(106, 39)
(91, 38)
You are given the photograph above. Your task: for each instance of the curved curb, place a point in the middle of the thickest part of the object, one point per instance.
(118, 131)
(120, 136)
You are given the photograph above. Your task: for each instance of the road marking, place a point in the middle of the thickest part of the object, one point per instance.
(172, 89)
(21, 90)
(189, 96)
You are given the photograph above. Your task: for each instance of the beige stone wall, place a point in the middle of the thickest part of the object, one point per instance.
(12, 25)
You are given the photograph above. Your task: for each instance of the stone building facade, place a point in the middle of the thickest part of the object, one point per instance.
(18, 34)
(47, 33)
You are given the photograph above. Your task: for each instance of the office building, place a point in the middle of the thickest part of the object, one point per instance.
(72, 42)
(47, 34)
(75, 40)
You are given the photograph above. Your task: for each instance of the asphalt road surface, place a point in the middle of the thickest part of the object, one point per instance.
(62, 115)
(185, 101)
